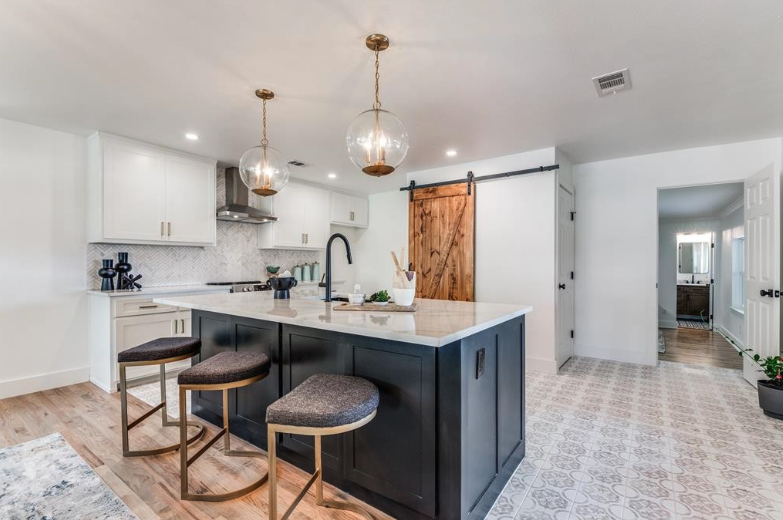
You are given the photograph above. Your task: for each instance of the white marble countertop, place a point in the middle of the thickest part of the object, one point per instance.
(435, 323)
(165, 289)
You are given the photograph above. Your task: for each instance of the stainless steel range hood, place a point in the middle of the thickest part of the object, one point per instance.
(237, 208)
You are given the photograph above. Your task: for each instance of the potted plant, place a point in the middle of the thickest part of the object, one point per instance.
(771, 390)
(380, 298)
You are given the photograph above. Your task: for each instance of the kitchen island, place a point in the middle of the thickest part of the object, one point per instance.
(450, 425)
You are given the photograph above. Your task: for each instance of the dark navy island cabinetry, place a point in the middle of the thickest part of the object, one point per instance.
(449, 429)
(450, 425)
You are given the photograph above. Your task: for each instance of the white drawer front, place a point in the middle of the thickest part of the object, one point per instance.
(139, 307)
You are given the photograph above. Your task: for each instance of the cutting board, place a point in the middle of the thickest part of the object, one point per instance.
(369, 307)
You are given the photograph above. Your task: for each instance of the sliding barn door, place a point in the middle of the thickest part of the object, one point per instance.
(762, 267)
(441, 241)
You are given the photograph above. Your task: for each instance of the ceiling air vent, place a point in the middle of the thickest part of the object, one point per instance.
(612, 82)
(297, 163)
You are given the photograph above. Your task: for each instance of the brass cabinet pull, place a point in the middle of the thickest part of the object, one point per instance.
(303, 238)
(183, 326)
(307, 238)
(175, 327)
(148, 306)
(169, 228)
(351, 215)
(161, 228)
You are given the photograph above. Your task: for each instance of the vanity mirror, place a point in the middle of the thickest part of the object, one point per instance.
(693, 258)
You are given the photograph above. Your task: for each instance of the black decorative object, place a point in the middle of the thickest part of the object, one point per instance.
(107, 273)
(130, 282)
(282, 286)
(123, 268)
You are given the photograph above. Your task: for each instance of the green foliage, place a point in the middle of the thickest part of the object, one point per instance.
(772, 366)
(380, 296)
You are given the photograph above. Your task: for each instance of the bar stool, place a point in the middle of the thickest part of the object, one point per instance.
(156, 352)
(222, 371)
(322, 405)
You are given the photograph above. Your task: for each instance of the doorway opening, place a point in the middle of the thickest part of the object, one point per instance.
(701, 275)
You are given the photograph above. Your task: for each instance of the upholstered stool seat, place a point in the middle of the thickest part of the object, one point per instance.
(156, 352)
(221, 372)
(161, 348)
(325, 400)
(225, 368)
(324, 404)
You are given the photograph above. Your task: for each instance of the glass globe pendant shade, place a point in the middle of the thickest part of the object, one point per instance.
(264, 170)
(377, 142)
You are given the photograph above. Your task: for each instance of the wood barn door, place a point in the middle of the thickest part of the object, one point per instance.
(441, 241)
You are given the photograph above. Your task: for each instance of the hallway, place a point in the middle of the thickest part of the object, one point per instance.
(699, 347)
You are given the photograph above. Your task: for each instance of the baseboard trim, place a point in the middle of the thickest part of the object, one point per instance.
(667, 324)
(28, 385)
(731, 338)
(546, 366)
(613, 354)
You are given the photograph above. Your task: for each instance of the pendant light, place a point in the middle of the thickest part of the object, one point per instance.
(263, 169)
(377, 140)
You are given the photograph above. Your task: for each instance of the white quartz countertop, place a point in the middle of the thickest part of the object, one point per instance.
(166, 289)
(435, 323)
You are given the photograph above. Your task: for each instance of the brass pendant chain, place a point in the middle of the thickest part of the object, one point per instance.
(264, 141)
(377, 104)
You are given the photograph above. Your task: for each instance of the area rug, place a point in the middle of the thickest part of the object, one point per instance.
(46, 479)
(693, 324)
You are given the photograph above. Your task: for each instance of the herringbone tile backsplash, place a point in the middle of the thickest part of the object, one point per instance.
(236, 256)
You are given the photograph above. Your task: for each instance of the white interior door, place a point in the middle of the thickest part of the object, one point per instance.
(565, 269)
(762, 267)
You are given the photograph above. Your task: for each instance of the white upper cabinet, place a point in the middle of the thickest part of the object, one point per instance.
(348, 210)
(145, 194)
(302, 213)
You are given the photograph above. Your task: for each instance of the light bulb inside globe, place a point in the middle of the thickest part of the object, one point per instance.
(264, 170)
(377, 142)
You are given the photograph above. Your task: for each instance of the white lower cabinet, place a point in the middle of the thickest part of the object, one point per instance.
(120, 322)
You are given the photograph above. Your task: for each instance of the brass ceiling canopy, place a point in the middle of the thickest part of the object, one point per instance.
(265, 94)
(377, 42)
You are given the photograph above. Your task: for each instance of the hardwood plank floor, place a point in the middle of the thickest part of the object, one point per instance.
(699, 347)
(89, 419)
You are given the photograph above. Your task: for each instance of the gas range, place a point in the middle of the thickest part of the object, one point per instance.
(251, 286)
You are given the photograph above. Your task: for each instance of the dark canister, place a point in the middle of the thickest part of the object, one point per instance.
(107, 274)
(282, 286)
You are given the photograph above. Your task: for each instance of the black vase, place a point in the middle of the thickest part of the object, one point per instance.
(122, 268)
(107, 273)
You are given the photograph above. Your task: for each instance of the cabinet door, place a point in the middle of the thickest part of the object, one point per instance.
(316, 217)
(134, 192)
(133, 331)
(288, 208)
(360, 212)
(341, 208)
(190, 201)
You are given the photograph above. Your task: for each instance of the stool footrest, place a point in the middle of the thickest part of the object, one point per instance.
(208, 445)
(301, 495)
(140, 419)
(173, 447)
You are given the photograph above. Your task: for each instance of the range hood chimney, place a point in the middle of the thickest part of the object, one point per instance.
(237, 208)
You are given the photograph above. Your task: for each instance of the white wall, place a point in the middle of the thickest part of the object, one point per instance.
(387, 231)
(515, 242)
(616, 236)
(727, 320)
(43, 243)
(668, 274)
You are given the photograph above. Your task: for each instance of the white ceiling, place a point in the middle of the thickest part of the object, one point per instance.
(697, 201)
(486, 78)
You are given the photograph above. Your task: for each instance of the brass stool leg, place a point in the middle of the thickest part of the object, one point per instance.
(186, 461)
(126, 451)
(316, 478)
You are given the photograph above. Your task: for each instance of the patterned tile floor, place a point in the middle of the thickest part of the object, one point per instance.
(616, 441)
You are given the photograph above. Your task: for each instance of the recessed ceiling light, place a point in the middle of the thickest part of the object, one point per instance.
(192, 137)
(332, 175)
(451, 153)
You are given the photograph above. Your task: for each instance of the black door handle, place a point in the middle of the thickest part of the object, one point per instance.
(769, 293)
(562, 286)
